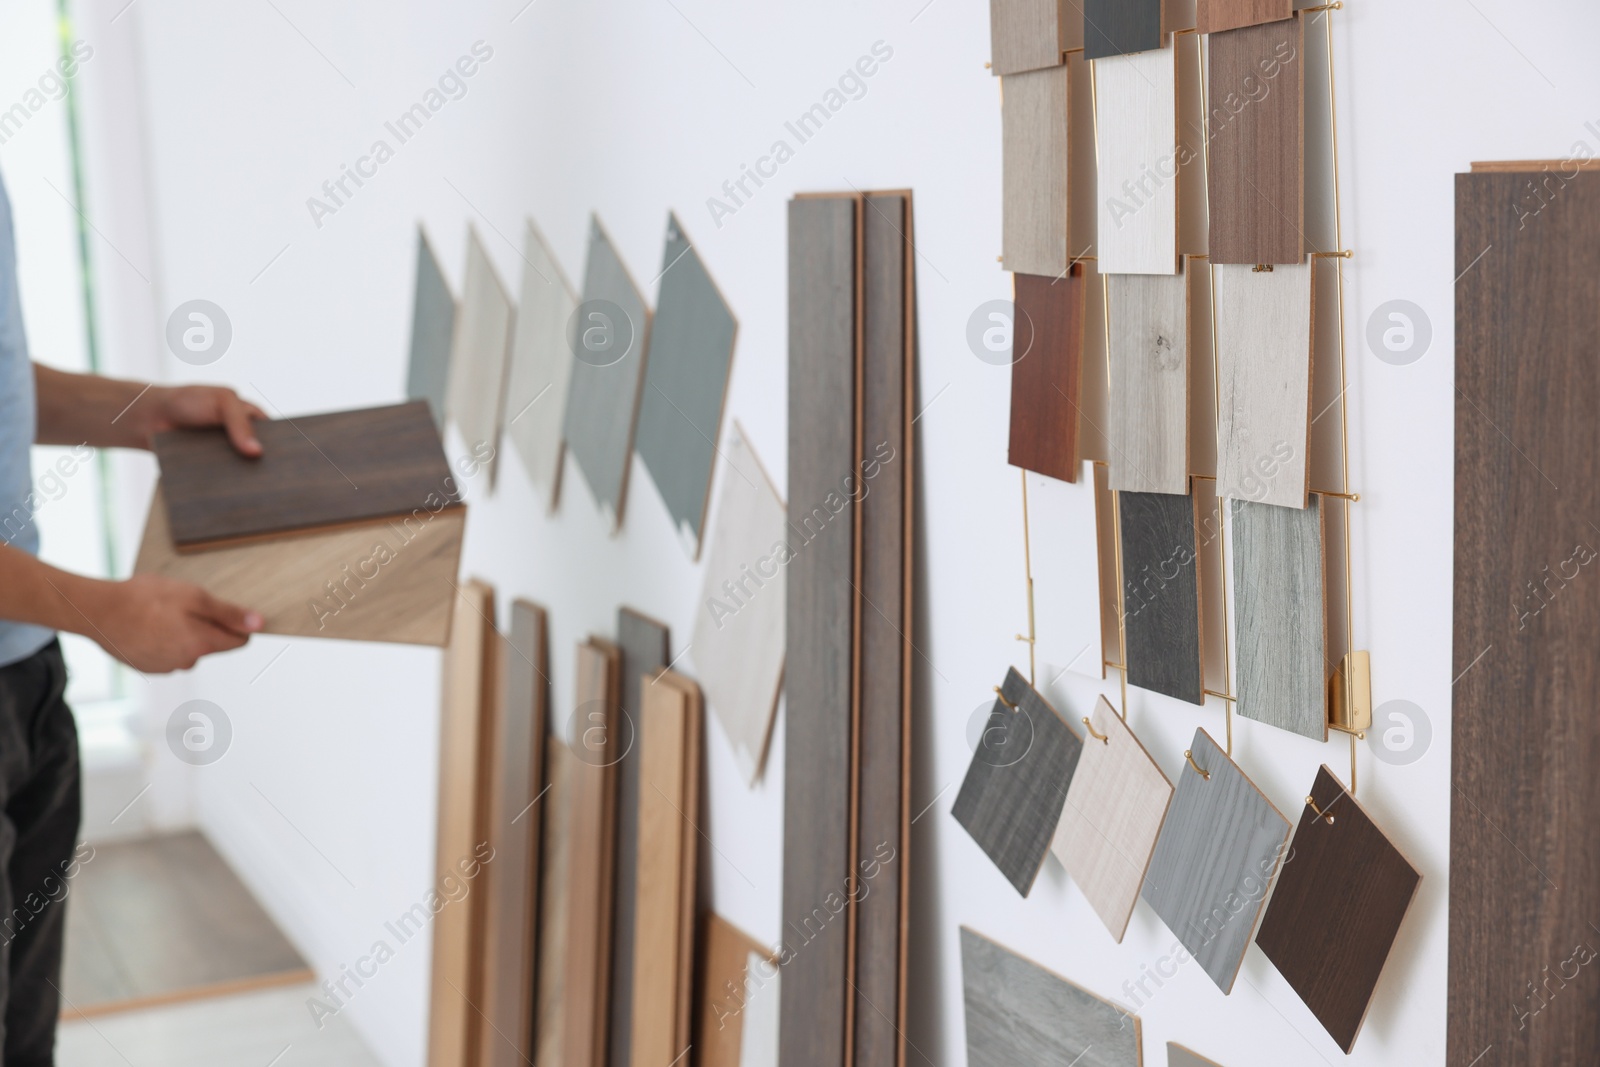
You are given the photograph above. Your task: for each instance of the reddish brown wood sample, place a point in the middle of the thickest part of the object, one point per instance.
(1047, 335)
(1213, 16)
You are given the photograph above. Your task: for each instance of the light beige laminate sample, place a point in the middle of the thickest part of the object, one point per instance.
(541, 366)
(1034, 178)
(1149, 330)
(475, 398)
(1136, 124)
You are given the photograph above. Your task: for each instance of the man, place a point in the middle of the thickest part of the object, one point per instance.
(152, 624)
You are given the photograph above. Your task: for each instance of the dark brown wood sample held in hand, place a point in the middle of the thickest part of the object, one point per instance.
(1047, 345)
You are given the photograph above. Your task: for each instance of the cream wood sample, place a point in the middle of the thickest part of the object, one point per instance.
(554, 869)
(392, 580)
(1034, 166)
(1030, 34)
(475, 398)
(1112, 817)
(1264, 329)
(1149, 327)
(1136, 128)
(541, 365)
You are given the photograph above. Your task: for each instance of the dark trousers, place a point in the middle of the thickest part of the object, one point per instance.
(38, 832)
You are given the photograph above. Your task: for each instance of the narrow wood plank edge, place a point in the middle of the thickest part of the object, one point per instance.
(210, 991)
(1525, 166)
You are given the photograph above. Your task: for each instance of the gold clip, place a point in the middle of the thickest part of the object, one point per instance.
(1261, 268)
(1188, 754)
(1311, 802)
(1350, 695)
(1003, 700)
(1096, 734)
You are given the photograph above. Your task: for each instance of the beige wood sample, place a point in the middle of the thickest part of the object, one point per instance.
(1136, 126)
(541, 365)
(1034, 166)
(554, 870)
(728, 983)
(1112, 817)
(1149, 327)
(383, 581)
(1264, 329)
(1030, 34)
(475, 398)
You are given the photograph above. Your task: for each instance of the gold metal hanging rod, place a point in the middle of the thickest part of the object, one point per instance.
(1188, 754)
(1346, 254)
(1096, 734)
(1000, 693)
(1311, 802)
(1337, 5)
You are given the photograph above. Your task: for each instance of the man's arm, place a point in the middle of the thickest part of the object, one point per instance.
(107, 413)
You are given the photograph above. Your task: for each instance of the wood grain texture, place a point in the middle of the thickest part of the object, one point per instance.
(1264, 328)
(555, 866)
(505, 1022)
(725, 987)
(1011, 798)
(1337, 910)
(1255, 89)
(1017, 1012)
(1214, 16)
(1111, 819)
(433, 324)
(1047, 347)
(1219, 849)
(385, 581)
(1178, 1056)
(1280, 617)
(822, 627)
(609, 342)
(1149, 327)
(1524, 741)
(1161, 594)
(541, 365)
(1034, 189)
(314, 472)
(1029, 34)
(1136, 130)
(1120, 27)
(479, 355)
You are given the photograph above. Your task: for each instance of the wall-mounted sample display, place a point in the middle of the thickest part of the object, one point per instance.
(1112, 817)
(554, 811)
(1136, 126)
(1177, 1055)
(1264, 331)
(1047, 345)
(735, 971)
(1255, 82)
(1120, 27)
(1219, 849)
(1280, 616)
(1018, 1012)
(1022, 764)
(541, 365)
(609, 340)
(1213, 16)
(685, 383)
(1161, 594)
(1035, 168)
(1030, 34)
(475, 400)
(433, 324)
(1148, 324)
(1337, 909)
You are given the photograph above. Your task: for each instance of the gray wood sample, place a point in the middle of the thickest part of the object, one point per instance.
(1010, 801)
(433, 323)
(1149, 333)
(685, 383)
(1019, 1013)
(479, 354)
(1219, 849)
(1178, 1056)
(1161, 594)
(609, 338)
(1120, 27)
(1136, 128)
(1030, 34)
(1280, 617)
(1034, 172)
(541, 366)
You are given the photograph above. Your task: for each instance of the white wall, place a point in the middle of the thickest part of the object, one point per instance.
(635, 108)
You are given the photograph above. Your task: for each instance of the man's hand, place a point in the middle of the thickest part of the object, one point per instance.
(106, 413)
(197, 406)
(156, 624)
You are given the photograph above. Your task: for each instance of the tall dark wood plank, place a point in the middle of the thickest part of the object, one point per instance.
(1119, 27)
(1161, 594)
(1047, 339)
(1524, 855)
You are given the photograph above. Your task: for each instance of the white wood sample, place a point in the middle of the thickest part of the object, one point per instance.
(1149, 327)
(541, 365)
(1065, 584)
(1136, 134)
(1033, 186)
(475, 399)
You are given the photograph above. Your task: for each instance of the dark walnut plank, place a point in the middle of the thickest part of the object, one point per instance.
(1047, 338)
(1213, 16)
(1161, 594)
(1120, 27)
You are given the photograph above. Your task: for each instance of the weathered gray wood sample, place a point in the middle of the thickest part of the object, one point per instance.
(541, 366)
(1022, 765)
(1263, 327)
(685, 383)
(1178, 1056)
(1019, 1013)
(608, 338)
(1280, 617)
(1136, 125)
(1218, 852)
(1161, 594)
(1030, 34)
(1149, 333)
(433, 324)
(479, 353)
(1034, 172)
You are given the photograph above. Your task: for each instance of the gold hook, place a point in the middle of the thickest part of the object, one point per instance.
(1188, 754)
(1311, 802)
(1261, 268)
(1096, 734)
(1003, 700)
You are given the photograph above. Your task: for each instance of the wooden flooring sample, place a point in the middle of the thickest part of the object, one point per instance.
(475, 400)
(1213, 16)
(727, 985)
(1136, 127)
(1255, 85)
(433, 324)
(1034, 167)
(1161, 594)
(1047, 336)
(738, 640)
(1263, 328)
(1111, 819)
(1019, 1013)
(541, 366)
(1149, 334)
(1337, 910)
(1280, 616)
(555, 863)
(1011, 799)
(1214, 862)
(315, 472)
(609, 342)
(1120, 27)
(1030, 34)
(516, 784)
(822, 627)
(1177, 1055)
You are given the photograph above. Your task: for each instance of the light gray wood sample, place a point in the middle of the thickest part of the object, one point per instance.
(1149, 330)
(1030, 34)
(1178, 1056)
(1280, 617)
(433, 324)
(541, 365)
(685, 383)
(1019, 1013)
(1263, 329)
(482, 346)
(1034, 178)
(609, 339)
(1219, 849)
(1136, 126)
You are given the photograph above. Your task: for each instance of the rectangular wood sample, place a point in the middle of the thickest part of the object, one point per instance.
(1031, 34)
(1047, 347)
(1213, 16)
(1149, 333)
(433, 324)
(1280, 616)
(727, 985)
(685, 383)
(1017, 1012)
(541, 365)
(1120, 27)
(555, 866)
(1337, 909)
(479, 354)
(1161, 594)
(1136, 128)
(1035, 168)
(1255, 88)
